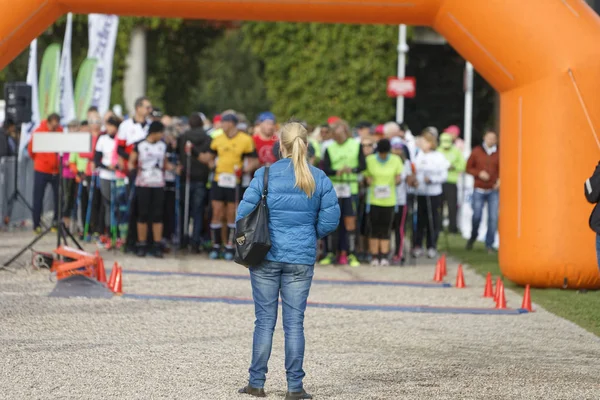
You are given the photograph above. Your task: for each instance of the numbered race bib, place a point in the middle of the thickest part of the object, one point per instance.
(152, 177)
(342, 190)
(169, 176)
(246, 180)
(382, 192)
(227, 181)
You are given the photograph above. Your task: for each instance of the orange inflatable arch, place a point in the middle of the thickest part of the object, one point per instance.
(543, 56)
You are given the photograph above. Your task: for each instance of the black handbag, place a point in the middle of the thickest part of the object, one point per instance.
(252, 237)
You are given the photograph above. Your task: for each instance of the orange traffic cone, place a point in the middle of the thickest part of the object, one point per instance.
(526, 305)
(489, 289)
(501, 303)
(496, 292)
(100, 272)
(438, 277)
(444, 266)
(460, 278)
(113, 276)
(118, 288)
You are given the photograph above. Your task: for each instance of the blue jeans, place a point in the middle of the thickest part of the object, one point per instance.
(292, 282)
(479, 200)
(197, 200)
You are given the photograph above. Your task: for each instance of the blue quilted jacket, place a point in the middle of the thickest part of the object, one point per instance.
(295, 220)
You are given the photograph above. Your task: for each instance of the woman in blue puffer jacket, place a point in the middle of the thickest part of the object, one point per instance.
(303, 208)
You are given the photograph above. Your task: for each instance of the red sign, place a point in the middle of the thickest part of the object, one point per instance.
(402, 87)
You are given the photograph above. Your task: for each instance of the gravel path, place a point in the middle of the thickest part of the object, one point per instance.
(53, 348)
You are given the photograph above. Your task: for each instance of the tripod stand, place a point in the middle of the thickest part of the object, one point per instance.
(62, 229)
(16, 196)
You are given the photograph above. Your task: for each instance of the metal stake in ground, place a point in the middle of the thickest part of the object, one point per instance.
(186, 209)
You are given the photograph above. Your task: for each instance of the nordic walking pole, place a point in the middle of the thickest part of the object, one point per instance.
(113, 219)
(88, 214)
(430, 218)
(186, 210)
(75, 215)
(176, 239)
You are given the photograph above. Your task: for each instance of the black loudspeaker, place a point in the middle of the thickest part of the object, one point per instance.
(17, 96)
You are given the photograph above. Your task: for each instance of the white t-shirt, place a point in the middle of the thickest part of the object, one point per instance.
(106, 146)
(132, 132)
(434, 166)
(151, 164)
(402, 188)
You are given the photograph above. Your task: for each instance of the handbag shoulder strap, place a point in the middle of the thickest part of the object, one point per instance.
(266, 182)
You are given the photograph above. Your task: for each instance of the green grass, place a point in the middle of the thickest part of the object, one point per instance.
(580, 308)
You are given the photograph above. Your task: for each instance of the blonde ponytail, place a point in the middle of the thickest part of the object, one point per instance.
(294, 140)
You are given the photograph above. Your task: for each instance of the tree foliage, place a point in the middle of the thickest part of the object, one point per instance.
(313, 71)
(231, 77)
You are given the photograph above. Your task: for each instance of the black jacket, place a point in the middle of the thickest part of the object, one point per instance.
(592, 194)
(201, 144)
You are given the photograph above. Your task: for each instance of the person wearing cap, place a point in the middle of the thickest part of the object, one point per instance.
(198, 179)
(364, 130)
(265, 138)
(344, 160)
(383, 173)
(454, 131)
(402, 211)
(235, 154)
(392, 129)
(450, 189)
(150, 158)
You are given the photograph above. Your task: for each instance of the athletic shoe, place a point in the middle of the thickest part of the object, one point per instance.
(228, 255)
(432, 253)
(353, 261)
(214, 255)
(328, 260)
(343, 260)
(374, 262)
(396, 260)
(417, 252)
(37, 231)
(491, 250)
(157, 251)
(384, 262)
(298, 395)
(470, 244)
(141, 251)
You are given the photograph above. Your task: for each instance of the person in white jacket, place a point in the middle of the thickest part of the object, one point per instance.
(431, 170)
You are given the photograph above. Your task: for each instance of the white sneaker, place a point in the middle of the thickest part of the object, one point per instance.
(374, 262)
(384, 262)
(432, 253)
(417, 253)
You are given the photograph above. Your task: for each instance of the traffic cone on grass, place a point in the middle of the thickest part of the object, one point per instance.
(526, 305)
(438, 277)
(501, 303)
(489, 289)
(113, 276)
(460, 278)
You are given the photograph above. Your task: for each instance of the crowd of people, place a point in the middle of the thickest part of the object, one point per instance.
(153, 183)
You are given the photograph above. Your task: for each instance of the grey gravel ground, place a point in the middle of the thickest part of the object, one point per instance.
(137, 349)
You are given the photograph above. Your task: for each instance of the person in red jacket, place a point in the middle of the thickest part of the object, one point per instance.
(45, 166)
(484, 165)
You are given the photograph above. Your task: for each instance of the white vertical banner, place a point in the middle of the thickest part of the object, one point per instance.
(32, 80)
(103, 31)
(66, 102)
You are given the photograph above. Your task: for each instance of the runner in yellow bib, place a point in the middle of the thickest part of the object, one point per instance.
(383, 173)
(231, 149)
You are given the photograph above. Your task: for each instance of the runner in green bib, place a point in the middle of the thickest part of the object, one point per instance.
(383, 173)
(343, 161)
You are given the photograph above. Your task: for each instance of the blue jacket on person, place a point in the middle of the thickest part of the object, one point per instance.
(295, 220)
